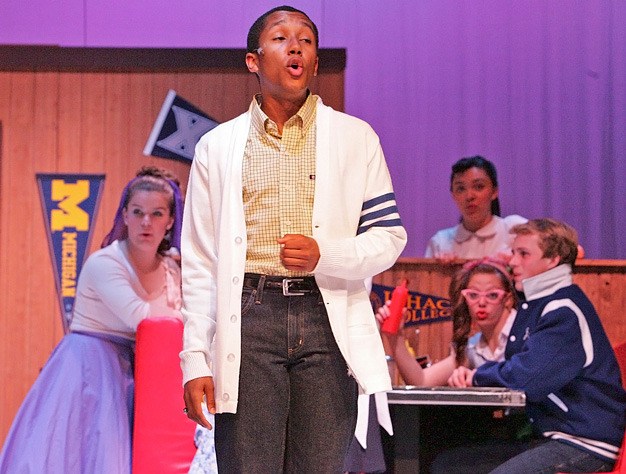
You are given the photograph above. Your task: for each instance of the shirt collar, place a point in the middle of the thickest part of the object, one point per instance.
(547, 282)
(483, 349)
(486, 232)
(304, 118)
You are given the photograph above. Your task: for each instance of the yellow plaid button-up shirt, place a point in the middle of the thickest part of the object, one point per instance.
(278, 184)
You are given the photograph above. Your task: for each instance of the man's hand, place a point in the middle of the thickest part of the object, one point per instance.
(299, 252)
(461, 377)
(195, 391)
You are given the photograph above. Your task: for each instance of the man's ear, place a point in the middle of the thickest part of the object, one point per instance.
(553, 262)
(252, 61)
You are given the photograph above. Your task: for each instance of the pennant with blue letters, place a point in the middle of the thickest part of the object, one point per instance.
(422, 308)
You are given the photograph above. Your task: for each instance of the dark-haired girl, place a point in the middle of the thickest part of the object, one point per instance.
(481, 231)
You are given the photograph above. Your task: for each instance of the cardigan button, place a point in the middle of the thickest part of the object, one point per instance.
(524, 305)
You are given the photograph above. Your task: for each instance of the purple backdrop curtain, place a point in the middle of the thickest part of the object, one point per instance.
(537, 86)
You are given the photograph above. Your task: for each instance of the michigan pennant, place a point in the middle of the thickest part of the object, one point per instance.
(70, 203)
(177, 129)
(422, 308)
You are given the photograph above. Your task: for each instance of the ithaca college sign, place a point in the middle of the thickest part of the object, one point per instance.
(422, 308)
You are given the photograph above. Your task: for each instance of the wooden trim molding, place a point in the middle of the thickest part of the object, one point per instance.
(583, 265)
(78, 59)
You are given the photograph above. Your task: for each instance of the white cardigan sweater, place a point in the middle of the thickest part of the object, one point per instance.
(355, 224)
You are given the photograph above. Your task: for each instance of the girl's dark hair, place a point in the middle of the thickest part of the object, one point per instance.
(461, 319)
(254, 34)
(484, 164)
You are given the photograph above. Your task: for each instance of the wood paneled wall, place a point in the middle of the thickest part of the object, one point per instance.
(90, 110)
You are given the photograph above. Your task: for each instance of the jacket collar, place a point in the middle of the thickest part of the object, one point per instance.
(547, 283)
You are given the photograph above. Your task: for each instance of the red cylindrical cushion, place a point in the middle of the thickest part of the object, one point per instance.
(163, 435)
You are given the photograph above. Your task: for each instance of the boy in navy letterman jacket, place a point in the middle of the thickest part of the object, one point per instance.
(560, 356)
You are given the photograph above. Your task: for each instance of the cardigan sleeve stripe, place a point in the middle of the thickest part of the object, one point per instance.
(385, 198)
(380, 211)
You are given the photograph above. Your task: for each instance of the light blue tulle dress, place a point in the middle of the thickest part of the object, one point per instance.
(77, 417)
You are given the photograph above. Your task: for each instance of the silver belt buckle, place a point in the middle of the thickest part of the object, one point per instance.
(289, 281)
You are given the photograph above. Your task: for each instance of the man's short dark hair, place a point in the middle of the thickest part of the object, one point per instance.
(254, 34)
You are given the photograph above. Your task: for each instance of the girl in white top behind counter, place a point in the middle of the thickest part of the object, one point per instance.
(481, 231)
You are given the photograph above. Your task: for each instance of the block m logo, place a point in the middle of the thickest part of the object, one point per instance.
(69, 196)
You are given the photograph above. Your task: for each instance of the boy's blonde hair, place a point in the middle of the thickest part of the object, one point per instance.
(556, 238)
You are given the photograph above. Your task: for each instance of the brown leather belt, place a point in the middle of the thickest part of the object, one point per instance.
(289, 286)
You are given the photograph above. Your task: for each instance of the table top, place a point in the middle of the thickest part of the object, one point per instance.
(479, 396)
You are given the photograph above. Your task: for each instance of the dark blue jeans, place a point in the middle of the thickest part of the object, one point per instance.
(538, 456)
(296, 410)
(551, 457)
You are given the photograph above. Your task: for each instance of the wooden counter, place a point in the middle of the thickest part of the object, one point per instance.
(604, 282)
